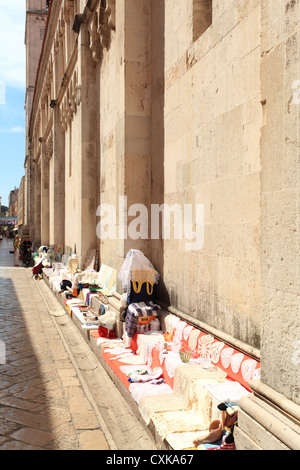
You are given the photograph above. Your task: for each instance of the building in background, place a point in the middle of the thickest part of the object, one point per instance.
(21, 207)
(36, 18)
(13, 203)
(193, 102)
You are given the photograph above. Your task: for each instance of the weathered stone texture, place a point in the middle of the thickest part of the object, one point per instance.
(280, 197)
(144, 108)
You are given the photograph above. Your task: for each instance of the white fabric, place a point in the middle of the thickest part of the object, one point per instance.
(171, 322)
(122, 356)
(179, 330)
(139, 390)
(137, 267)
(117, 351)
(172, 360)
(144, 340)
(133, 359)
(86, 277)
(227, 391)
(108, 320)
(88, 326)
(75, 302)
(184, 440)
(68, 272)
(78, 313)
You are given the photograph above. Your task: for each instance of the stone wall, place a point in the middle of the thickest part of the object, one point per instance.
(212, 120)
(280, 181)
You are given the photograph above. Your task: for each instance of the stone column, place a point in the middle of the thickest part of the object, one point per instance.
(44, 196)
(134, 136)
(30, 197)
(269, 419)
(88, 166)
(57, 205)
(37, 204)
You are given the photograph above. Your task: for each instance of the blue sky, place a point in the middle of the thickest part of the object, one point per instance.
(12, 95)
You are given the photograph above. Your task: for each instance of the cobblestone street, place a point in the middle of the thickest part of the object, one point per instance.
(54, 394)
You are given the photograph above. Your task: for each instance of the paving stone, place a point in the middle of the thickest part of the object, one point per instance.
(32, 436)
(7, 427)
(18, 445)
(28, 419)
(93, 440)
(79, 406)
(85, 421)
(17, 403)
(31, 392)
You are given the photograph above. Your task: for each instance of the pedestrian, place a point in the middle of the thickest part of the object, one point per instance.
(17, 249)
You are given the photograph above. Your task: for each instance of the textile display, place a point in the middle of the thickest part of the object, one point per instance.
(69, 269)
(238, 366)
(138, 390)
(183, 399)
(200, 400)
(105, 279)
(145, 375)
(183, 395)
(143, 340)
(140, 313)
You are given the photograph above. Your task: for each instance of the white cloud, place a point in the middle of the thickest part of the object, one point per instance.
(13, 130)
(12, 47)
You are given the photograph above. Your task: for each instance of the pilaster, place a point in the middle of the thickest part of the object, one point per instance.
(45, 195)
(57, 208)
(37, 203)
(89, 154)
(137, 114)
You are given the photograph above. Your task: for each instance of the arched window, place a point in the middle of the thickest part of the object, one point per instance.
(202, 17)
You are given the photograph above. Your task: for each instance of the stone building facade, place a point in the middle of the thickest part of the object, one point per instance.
(21, 207)
(13, 203)
(191, 102)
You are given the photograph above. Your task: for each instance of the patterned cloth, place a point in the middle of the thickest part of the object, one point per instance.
(134, 311)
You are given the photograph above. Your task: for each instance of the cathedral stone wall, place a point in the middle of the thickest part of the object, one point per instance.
(212, 121)
(190, 103)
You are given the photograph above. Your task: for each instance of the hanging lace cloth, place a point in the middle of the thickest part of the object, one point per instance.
(137, 270)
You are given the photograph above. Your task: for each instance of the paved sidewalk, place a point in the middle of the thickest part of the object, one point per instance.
(53, 392)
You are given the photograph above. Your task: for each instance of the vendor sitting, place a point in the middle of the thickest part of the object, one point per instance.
(138, 278)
